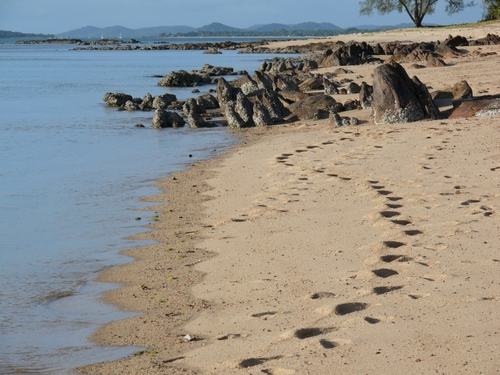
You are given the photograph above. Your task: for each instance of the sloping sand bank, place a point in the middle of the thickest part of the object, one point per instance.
(318, 250)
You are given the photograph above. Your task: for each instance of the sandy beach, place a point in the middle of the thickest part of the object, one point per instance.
(310, 249)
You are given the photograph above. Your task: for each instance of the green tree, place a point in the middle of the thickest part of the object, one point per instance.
(416, 9)
(491, 10)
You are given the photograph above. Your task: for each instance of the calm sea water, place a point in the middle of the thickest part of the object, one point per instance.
(71, 174)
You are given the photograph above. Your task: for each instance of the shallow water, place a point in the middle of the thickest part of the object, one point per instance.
(71, 173)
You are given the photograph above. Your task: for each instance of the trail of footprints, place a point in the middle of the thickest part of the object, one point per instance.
(393, 214)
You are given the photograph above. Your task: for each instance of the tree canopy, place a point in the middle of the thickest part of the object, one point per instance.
(416, 9)
(491, 10)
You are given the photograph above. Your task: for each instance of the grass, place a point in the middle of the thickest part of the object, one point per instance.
(147, 351)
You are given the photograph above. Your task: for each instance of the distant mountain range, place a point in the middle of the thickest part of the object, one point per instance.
(219, 29)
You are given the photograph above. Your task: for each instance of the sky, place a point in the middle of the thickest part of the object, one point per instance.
(58, 16)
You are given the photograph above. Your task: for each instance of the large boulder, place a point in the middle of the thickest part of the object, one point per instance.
(147, 102)
(167, 119)
(399, 99)
(117, 99)
(312, 107)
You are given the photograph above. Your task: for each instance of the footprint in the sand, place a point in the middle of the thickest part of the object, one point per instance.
(311, 147)
(377, 187)
(262, 314)
(349, 308)
(389, 214)
(393, 244)
(470, 201)
(379, 290)
(393, 206)
(328, 344)
(401, 222)
(299, 151)
(396, 257)
(372, 320)
(322, 295)
(328, 143)
(394, 199)
(384, 192)
(305, 333)
(385, 272)
(251, 362)
(414, 232)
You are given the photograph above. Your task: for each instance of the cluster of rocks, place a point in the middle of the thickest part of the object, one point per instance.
(116, 45)
(286, 90)
(205, 75)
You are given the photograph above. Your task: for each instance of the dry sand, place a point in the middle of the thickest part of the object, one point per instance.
(318, 250)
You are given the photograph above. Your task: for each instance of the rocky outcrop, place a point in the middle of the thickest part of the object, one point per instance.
(399, 99)
(212, 51)
(311, 108)
(147, 102)
(167, 119)
(117, 99)
(489, 40)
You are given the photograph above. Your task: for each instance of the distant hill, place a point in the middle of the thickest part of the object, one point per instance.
(15, 34)
(219, 29)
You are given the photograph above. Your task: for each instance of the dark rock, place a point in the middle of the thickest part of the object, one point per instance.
(264, 82)
(313, 107)
(147, 102)
(195, 91)
(460, 90)
(434, 62)
(183, 78)
(225, 92)
(167, 119)
(244, 108)
(397, 98)
(287, 83)
(163, 101)
(212, 51)
(117, 99)
(335, 119)
(233, 119)
(215, 71)
(139, 126)
(366, 95)
(271, 101)
(330, 87)
(351, 105)
(353, 88)
(248, 86)
(456, 41)
(130, 106)
(261, 116)
(489, 40)
(292, 96)
(312, 83)
(206, 102)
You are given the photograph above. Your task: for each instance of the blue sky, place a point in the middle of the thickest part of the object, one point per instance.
(57, 16)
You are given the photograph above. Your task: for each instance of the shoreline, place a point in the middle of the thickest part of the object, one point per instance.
(211, 275)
